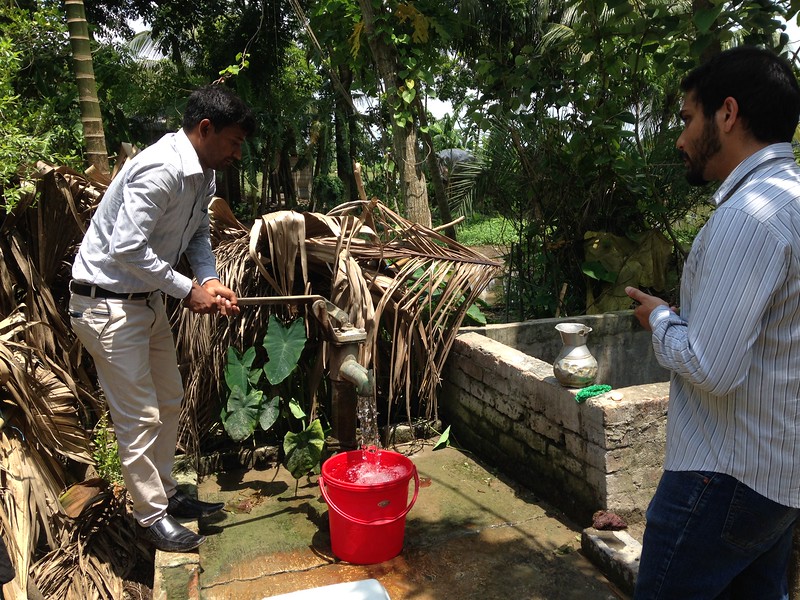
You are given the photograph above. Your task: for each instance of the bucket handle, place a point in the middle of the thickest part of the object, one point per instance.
(377, 521)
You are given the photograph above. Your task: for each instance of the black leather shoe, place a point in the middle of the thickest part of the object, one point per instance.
(186, 507)
(170, 536)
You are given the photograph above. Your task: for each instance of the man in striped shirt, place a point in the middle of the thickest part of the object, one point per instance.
(720, 524)
(154, 212)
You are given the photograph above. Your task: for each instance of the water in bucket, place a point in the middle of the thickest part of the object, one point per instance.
(371, 471)
(367, 495)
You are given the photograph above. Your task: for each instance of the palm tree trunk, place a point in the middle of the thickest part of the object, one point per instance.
(404, 139)
(91, 117)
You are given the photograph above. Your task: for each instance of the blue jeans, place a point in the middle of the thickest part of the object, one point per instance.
(710, 536)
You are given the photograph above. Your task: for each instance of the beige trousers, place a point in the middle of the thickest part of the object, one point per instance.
(134, 354)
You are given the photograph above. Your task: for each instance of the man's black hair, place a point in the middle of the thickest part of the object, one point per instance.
(221, 106)
(762, 83)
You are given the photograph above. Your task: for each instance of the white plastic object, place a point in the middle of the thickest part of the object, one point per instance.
(366, 589)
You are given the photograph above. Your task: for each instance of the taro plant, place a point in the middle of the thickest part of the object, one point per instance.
(264, 395)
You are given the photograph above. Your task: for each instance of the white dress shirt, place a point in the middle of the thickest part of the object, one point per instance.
(154, 211)
(734, 351)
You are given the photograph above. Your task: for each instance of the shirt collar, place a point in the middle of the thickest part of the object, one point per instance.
(746, 167)
(188, 154)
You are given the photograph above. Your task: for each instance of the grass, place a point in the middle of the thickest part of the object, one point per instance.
(481, 230)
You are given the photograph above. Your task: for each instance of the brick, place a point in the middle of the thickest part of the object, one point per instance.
(535, 442)
(509, 407)
(562, 459)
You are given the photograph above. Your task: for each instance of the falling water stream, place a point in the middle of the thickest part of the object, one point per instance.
(367, 410)
(370, 471)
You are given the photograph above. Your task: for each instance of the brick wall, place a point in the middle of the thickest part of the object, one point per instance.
(507, 407)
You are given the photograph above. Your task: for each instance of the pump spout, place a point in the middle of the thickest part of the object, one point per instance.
(358, 375)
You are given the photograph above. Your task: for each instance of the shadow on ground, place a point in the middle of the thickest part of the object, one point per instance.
(471, 535)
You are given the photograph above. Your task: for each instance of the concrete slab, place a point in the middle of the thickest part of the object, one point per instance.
(617, 554)
(471, 535)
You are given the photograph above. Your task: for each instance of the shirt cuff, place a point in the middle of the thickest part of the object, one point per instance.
(180, 287)
(659, 315)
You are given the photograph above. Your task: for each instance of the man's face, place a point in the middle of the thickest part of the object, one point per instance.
(699, 143)
(221, 148)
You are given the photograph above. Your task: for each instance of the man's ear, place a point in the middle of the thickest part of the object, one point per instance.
(204, 127)
(728, 114)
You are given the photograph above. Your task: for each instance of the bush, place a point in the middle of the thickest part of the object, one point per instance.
(328, 192)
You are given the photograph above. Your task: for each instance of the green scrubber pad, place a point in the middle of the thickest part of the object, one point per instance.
(590, 391)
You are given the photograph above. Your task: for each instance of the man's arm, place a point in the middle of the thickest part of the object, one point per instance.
(739, 269)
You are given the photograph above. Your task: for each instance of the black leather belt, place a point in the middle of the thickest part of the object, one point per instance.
(95, 291)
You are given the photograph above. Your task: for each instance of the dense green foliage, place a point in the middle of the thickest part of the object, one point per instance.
(568, 108)
(486, 231)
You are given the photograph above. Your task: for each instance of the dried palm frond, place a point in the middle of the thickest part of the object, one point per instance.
(99, 549)
(30, 482)
(48, 396)
(49, 406)
(408, 286)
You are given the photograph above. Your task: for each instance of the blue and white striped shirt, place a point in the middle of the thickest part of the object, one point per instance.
(734, 351)
(154, 211)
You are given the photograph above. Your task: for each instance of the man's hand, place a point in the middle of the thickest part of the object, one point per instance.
(212, 297)
(224, 297)
(647, 304)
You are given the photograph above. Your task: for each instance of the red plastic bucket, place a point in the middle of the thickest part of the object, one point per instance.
(368, 509)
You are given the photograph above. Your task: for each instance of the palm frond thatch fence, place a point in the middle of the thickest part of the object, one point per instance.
(407, 286)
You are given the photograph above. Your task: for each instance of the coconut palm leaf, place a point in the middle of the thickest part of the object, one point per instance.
(407, 286)
(99, 547)
(49, 395)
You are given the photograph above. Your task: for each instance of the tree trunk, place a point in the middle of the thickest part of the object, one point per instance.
(412, 177)
(439, 191)
(404, 139)
(91, 117)
(342, 133)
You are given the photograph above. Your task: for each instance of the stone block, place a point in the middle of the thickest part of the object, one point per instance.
(615, 553)
(541, 425)
(563, 460)
(530, 438)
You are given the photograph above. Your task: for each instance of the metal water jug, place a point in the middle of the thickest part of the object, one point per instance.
(574, 366)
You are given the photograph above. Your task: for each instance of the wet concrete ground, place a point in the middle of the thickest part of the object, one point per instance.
(472, 535)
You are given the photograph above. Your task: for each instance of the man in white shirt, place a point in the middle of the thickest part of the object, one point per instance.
(155, 211)
(720, 523)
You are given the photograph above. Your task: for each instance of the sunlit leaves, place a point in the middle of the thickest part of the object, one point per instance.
(284, 346)
(304, 449)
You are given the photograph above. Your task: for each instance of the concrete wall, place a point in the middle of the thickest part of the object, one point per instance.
(507, 407)
(621, 346)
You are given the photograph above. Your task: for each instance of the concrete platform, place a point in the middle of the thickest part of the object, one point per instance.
(472, 535)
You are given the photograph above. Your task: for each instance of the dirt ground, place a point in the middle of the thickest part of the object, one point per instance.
(472, 534)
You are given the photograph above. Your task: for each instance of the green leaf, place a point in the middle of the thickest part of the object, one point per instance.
(239, 371)
(242, 410)
(409, 95)
(596, 270)
(284, 346)
(475, 314)
(270, 412)
(304, 450)
(296, 409)
(444, 440)
(705, 17)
